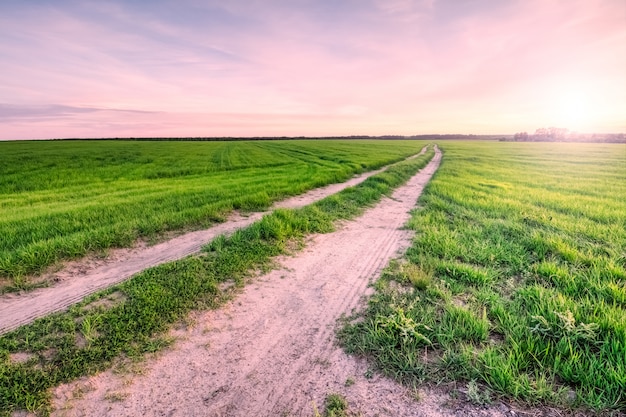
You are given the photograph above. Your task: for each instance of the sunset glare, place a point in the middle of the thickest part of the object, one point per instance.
(310, 68)
(575, 112)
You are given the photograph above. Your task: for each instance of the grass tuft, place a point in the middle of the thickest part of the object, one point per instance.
(336, 406)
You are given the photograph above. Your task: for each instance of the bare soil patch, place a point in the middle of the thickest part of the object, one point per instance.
(271, 351)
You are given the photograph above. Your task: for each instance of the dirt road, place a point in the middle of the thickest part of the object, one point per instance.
(81, 278)
(271, 351)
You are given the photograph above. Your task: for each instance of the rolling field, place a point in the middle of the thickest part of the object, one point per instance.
(64, 199)
(514, 287)
(120, 325)
(516, 280)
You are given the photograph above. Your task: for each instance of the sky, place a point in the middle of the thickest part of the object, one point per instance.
(183, 68)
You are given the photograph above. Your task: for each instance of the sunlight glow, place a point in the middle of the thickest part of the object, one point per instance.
(576, 111)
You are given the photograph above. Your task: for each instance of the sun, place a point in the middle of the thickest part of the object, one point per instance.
(573, 111)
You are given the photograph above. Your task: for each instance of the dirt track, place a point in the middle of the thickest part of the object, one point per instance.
(271, 351)
(81, 278)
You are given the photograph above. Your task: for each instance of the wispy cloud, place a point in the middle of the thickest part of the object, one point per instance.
(10, 112)
(307, 67)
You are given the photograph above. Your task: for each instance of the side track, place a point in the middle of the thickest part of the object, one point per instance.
(74, 284)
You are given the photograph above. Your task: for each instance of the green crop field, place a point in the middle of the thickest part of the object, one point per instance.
(63, 199)
(514, 287)
(516, 279)
(126, 321)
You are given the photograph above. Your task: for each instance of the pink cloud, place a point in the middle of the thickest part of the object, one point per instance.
(322, 68)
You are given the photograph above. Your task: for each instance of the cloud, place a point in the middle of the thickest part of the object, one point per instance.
(312, 65)
(54, 111)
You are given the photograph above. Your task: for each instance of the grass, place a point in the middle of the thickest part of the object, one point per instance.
(132, 318)
(334, 406)
(63, 199)
(516, 278)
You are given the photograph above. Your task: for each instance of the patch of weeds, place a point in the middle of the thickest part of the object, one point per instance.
(478, 395)
(401, 327)
(564, 326)
(415, 275)
(116, 396)
(129, 366)
(81, 389)
(323, 362)
(408, 273)
(187, 322)
(416, 393)
(89, 327)
(19, 283)
(336, 406)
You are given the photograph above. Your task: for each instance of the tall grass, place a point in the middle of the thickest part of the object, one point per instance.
(524, 250)
(131, 318)
(63, 199)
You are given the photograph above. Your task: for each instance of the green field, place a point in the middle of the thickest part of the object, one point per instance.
(125, 322)
(516, 280)
(514, 287)
(64, 199)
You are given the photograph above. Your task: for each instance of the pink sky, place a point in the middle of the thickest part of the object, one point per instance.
(312, 68)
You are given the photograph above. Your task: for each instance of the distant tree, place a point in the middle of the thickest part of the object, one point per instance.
(542, 132)
(521, 136)
(557, 133)
(551, 134)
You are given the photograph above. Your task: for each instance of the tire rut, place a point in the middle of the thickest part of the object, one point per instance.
(271, 351)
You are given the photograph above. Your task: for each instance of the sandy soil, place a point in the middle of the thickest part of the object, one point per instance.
(77, 279)
(271, 351)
